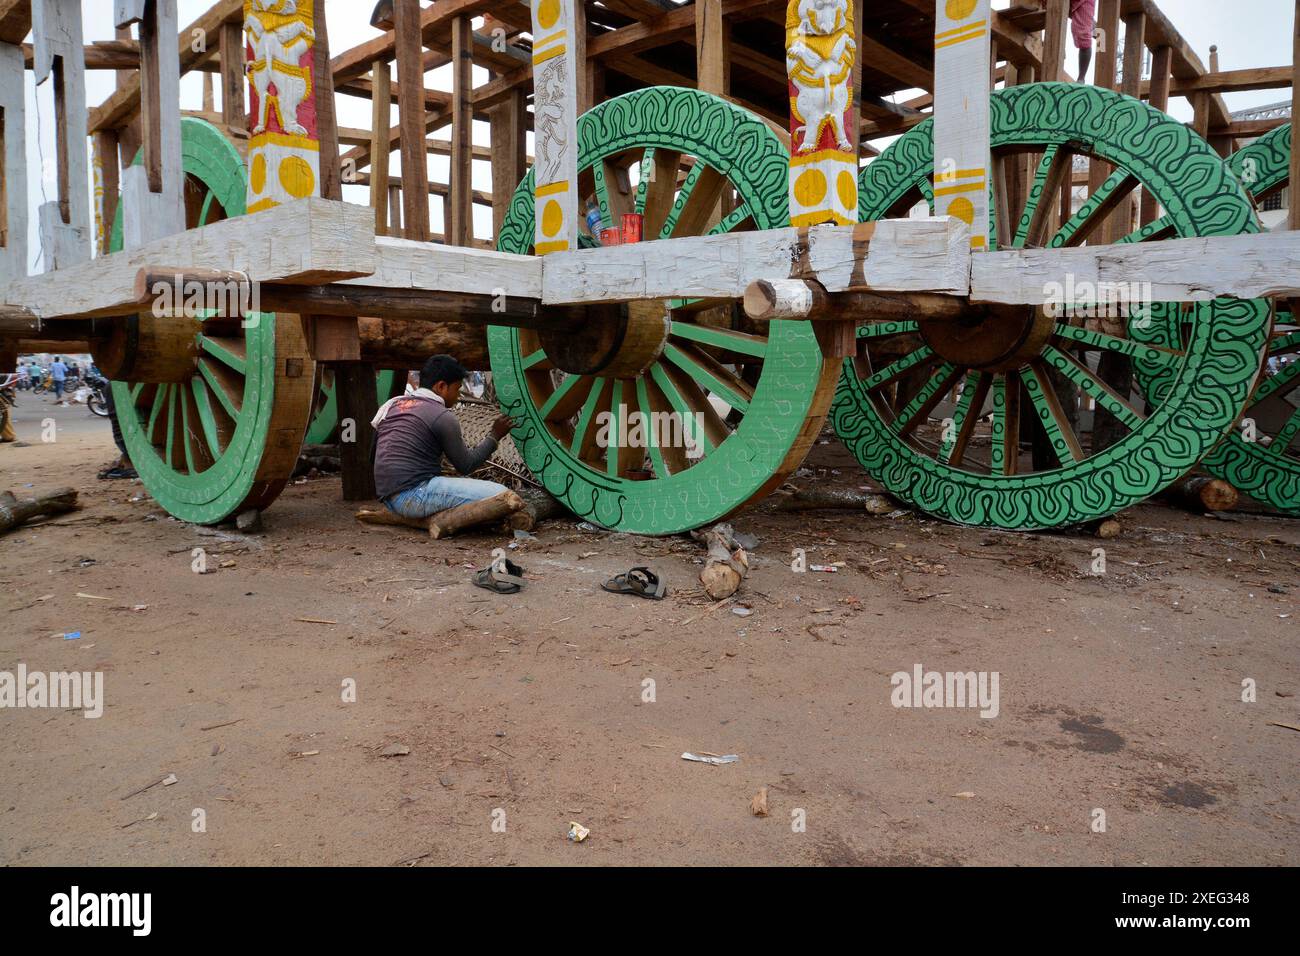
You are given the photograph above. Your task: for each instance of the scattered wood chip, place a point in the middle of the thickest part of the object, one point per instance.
(226, 724)
(314, 620)
(758, 805)
(964, 795)
(1275, 723)
(395, 750)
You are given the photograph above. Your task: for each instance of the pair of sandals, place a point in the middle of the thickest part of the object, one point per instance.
(506, 577)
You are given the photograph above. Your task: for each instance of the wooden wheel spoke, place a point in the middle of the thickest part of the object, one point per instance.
(1051, 416)
(931, 394)
(647, 406)
(880, 330)
(1282, 441)
(743, 342)
(1284, 343)
(1162, 228)
(169, 447)
(186, 436)
(567, 398)
(584, 435)
(1112, 343)
(926, 186)
(207, 418)
(1005, 452)
(1056, 164)
(896, 370)
(224, 385)
(657, 188)
(695, 202)
(1096, 389)
(206, 208)
(135, 390)
(533, 359)
(621, 456)
(732, 220)
(689, 400)
(711, 375)
(229, 351)
(159, 403)
(1279, 382)
(1094, 211)
(613, 192)
(952, 449)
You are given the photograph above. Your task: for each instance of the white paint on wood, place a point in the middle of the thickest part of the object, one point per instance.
(910, 255)
(555, 124)
(408, 264)
(13, 254)
(148, 215)
(308, 241)
(56, 32)
(127, 12)
(1175, 270)
(962, 47)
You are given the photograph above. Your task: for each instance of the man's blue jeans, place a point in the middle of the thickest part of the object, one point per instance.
(439, 494)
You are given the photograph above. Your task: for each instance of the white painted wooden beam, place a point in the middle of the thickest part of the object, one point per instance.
(307, 242)
(433, 267)
(13, 253)
(892, 255)
(555, 124)
(1175, 270)
(962, 47)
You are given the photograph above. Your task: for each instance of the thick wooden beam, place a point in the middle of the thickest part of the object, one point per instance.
(15, 20)
(233, 57)
(411, 118)
(381, 109)
(555, 111)
(13, 177)
(1229, 81)
(1054, 34)
(961, 116)
(1161, 75)
(459, 209)
(508, 155)
(1293, 216)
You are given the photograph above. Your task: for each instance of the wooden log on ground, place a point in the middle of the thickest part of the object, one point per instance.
(726, 564)
(1201, 494)
(835, 499)
(538, 506)
(447, 523)
(14, 511)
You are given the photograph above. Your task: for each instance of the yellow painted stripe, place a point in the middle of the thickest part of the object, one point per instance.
(544, 41)
(821, 216)
(548, 54)
(962, 29)
(959, 174)
(824, 155)
(964, 188)
(551, 188)
(978, 34)
(978, 242)
(287, 140)
(559, 245)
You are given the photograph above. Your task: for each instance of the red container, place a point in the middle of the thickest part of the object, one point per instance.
(610, 237)
(632, 227)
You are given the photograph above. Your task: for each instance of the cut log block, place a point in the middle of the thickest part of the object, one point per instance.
(835, 499)
(14, 510)
(538, 506)
(726, 564)
(446, 523)
(1201, 494)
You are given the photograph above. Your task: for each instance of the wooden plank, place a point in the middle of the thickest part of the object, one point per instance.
(327, 128)
(13, 177)
(309, 241)
(892, 255)
(1054, 34)
(1161, 75)
(432, 267)
(64, 223)
(381, 109)
(107, 187)
(961, 115)
(1229, 81)
(821, 46)
(429, 24)
(153, 193)
(459, 206)
(411, 119)
(15, 20)
(1175, 270)
(1121, 222)
(508, 155)
(233, 56)
(1293, 216)
(555, 112)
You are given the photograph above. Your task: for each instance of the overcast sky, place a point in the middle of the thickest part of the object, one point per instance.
(1249, 33)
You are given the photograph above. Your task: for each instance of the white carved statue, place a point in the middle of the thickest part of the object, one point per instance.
(275, 59)
(819, 62)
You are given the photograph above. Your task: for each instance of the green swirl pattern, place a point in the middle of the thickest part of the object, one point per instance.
(790, 395)
(1207, 383)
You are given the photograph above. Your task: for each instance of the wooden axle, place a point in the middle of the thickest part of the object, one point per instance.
(767, 299)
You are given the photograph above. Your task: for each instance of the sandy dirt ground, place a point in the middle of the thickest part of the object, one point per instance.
(1119, 693)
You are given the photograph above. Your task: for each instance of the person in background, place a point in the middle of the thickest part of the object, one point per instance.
(1083, 23)
(24, 377)
(59, 375)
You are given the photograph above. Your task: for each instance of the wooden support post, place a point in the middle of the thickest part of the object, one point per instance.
(58, 51)
(459, 215)
(107, 186)
(410, 107)
(381, 109)
(153, 193)
(13, 153)
(354, 384)
(555, 121)
(713, 72)
(961, 110)
(327, 126)
(233, 112)
(1293, 216)
(1161, 74)
(820, 48)
(1121, 221)
(509, 156)
(1054, 34)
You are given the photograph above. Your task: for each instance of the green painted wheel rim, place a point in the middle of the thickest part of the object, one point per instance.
(232, 398)
(1268, 468)
(730, 141)
(1208, 384)
(326, 419)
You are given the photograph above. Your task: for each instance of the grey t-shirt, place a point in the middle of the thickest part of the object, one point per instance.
(412, 439)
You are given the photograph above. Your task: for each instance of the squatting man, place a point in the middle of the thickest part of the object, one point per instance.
(413, 432)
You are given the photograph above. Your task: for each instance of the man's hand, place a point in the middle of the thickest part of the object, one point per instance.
(501, 427)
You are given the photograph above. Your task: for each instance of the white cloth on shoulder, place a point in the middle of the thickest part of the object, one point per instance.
(418, 393)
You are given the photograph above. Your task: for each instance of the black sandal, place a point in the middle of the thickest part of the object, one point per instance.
(508, 578)
(641, 582)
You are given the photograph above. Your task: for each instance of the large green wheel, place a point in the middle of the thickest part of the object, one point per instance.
(226, 438)
(325, 418)
(1000, 362)
(1262, 459)
(759, 396)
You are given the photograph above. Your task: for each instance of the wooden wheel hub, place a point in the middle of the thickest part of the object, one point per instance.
(615, 341)
(150, 348)
(989, 338)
